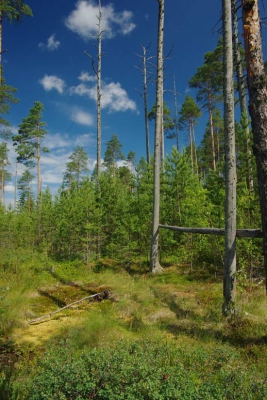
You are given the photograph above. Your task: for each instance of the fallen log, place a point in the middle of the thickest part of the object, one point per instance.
(241, 233)
(99, 296)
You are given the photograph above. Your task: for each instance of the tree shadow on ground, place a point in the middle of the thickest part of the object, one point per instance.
(53, 298)
(202, 333)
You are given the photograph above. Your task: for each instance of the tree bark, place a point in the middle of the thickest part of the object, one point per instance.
(212, 138)
(176, 113)
(2, 182)
(229, 287)
(257, 85)
(242, 99)
(38, 157)
(155, 266)
(145, 102)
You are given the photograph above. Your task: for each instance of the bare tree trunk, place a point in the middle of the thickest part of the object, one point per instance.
(145, 102)
(97, 72)
(38, 157)
(3, 182)
(218, 146)
(145, 95)
(195, 149)
(154, 253)
(99, 59)
(212, 139)
(15, 183)
(229, 288)
(162, 147)
(176, 113)
(242, 99)
(257, 85)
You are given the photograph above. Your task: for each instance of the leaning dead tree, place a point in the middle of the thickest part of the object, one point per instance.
(154, 251)
(257, 86)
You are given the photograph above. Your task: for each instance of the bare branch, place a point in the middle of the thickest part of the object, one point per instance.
(93, 60)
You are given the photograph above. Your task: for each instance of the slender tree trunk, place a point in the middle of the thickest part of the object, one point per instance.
(162, 147)
(212, 138)
(99, 59)
(218, 146)
(176, 113)
(229, 288)
(191, 143)
(3, 182)
(99, 134)
(257, 85)
(145, 102)
(154, 253)
(15, 184)
(242, 99)
(195, 149)
(38, 157)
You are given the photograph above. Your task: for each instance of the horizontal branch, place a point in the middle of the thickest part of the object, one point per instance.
(100, 295)
(241, 233)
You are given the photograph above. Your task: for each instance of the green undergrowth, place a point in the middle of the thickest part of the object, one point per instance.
(155, 337)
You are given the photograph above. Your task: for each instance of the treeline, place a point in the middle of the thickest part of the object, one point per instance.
(91, 219)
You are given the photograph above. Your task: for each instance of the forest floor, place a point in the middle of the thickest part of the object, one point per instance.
(178, 306)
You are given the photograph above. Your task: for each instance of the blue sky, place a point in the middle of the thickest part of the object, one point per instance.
(45, 61)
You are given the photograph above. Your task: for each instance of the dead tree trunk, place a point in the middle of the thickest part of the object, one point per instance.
(229, 286)
(257, 86)
(98, 74)
(144, 71)
(176, 113)
(154, 252)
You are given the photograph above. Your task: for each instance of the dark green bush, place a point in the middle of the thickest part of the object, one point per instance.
(143, 370)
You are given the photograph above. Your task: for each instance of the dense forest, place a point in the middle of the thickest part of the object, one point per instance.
(97, 228)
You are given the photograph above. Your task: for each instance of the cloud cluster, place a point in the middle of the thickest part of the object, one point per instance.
(113, 96)
(84, 20)
(86, 77)
(50, 82)
(51, 45)
(81, 117)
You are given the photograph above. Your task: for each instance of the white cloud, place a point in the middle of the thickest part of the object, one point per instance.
(9, 188)
(50, 82)
(57, 141)
(116, 98)
(86, 140)
(113, 96)
(83, 20)
(51, 45)
(86, 77)
(81, 117)
(80, 89)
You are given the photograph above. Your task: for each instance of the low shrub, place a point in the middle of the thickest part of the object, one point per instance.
(143, 370)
